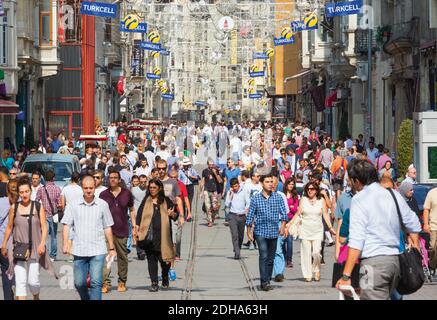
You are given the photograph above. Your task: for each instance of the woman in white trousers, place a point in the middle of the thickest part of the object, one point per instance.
(311, 209)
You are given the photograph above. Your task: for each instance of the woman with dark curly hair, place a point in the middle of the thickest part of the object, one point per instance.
(154, 232)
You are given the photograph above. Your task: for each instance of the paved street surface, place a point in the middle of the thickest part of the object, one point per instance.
(213, 273)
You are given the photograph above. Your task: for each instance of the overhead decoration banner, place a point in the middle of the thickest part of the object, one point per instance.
(165, 52)
(255, 96)
(168, 96)
(155, 75)
(200, 103)
(311, 22)
(137, 66)
(343, 8)
(260, 56)
(140, 28)
(254, 72)
(150, 46)
(287, 37)
(99, 9)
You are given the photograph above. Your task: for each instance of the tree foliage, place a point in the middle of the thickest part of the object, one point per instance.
(405, 146)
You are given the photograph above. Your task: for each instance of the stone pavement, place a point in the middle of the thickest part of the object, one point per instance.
(212, 273)
(215, 275)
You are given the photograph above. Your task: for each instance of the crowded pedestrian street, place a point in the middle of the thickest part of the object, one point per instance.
(212, 150)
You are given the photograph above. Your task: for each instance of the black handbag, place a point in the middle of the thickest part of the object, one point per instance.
(22, 251)
(412, 276)
(337, 273)
(148, 240)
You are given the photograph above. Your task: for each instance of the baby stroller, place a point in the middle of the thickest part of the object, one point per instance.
(425, 260)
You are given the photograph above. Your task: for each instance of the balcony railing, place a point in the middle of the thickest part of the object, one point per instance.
(404, 36)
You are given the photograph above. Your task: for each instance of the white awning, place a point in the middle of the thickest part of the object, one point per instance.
(298, 75)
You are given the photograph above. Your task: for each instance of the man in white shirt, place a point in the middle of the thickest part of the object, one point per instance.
(150, 156)
(72, 191)
(372, 152)
(112, 134)
(374, 233)
(236, 146)
(411, 175)
(36, 184)
(163, 153)
(99, 178)
(144, 169)
(138, 193)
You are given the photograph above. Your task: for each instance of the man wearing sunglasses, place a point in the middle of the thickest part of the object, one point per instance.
(99, 179)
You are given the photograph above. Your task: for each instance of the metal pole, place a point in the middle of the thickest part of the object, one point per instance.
(369, 83)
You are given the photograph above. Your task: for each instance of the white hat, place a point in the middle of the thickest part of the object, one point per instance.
(186, 162)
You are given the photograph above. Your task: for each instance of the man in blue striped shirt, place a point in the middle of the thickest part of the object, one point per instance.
(267, 209)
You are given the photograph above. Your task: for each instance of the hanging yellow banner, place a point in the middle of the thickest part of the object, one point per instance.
(234, 47)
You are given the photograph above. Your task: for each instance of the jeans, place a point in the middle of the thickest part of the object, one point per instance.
(279, 262)
(52, 241)
(289, 248)
(93, 266)
(7, 283)
(266, 248)
(111, 142)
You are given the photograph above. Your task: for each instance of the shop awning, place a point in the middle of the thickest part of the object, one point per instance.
(8, 108)
(299, 75)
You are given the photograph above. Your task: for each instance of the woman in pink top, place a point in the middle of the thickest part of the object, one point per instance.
(293, 204)
(286, 173)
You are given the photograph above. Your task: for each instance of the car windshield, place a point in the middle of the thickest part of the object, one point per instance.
(420, 193)
(62, 170)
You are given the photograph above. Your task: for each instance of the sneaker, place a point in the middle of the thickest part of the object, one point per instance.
(154, 287)
(247, 244)
(279, 278)
(251, 246)
(121, 287)
(105, 289)
(264, 287)
(52, 259)
(172, 275)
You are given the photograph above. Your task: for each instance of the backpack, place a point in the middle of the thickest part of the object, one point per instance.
(339, 174)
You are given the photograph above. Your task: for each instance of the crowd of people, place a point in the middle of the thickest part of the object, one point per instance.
(275, 183)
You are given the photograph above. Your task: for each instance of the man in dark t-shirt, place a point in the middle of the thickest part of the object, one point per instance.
(209, 187)
(121, 205)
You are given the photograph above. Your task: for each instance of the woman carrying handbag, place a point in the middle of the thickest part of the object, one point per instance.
(27, 223)
(154, 233)
(311, 209)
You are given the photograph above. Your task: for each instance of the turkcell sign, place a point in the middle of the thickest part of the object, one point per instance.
(256, 74)
(142, 28)
(343, 8)
(298, 26)
(99, 9)
(153, 76)
(150, 46)
(165, 52)
(200, 103)
(260, 56)
(255, 96)
(283, 41)
(168, 96)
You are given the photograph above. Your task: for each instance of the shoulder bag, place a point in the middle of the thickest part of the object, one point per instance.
(22, 251)
(295, 226)
(412, 276)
